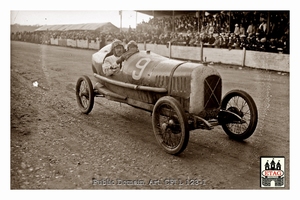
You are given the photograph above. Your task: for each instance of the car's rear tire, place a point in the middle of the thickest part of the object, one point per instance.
(242, 104)
(85, 94)
(170, 125)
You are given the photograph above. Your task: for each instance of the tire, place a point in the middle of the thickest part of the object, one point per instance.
(85, 94)
(170, 125)
(242, 104)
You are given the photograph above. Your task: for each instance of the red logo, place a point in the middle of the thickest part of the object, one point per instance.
(273, 173)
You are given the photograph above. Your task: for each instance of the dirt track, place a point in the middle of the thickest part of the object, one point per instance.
(53, 146)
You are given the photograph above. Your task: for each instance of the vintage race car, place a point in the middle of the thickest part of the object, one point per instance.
(182, 96)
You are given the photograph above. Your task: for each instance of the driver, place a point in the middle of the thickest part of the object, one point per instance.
(132, 48)
(110, 66)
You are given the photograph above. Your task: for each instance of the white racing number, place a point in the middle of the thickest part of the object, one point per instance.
(141, 65)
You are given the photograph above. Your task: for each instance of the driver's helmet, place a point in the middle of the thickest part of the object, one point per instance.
(114, 44)
(131, 44)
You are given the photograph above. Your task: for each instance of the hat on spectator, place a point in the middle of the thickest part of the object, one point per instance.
(236, 25)
(263, 40)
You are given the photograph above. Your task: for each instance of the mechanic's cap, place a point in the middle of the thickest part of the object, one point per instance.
(116, 43)
(132, 44)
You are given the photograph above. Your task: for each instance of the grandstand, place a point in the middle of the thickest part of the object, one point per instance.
(251, 31)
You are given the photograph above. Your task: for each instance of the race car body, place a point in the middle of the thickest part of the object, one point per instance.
(197, 87)
(181, 96)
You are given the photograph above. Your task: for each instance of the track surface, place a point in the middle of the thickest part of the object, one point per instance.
(54, 146)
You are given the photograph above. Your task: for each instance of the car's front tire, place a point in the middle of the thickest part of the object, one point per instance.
(170, 125)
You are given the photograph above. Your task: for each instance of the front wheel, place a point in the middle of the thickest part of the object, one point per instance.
(85, 94)
(170, 125)
(242, 104)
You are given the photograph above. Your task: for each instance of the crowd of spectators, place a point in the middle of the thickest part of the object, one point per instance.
(231, 30)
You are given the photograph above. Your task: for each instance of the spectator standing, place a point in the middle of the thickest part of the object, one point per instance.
(192, 40)
(263, 28)
(218, 41)
(204, 38)
(187, 40)
(198, 39)
(211, 39)
(203, 28)
(248, 43)
(236, 42)
(226, 28)
(218, 29)
(224, 41)
(272, 46)
(251, 29)
(242, 30)
(211, 28)
(242, 41)
(230, 43)
(236, 29)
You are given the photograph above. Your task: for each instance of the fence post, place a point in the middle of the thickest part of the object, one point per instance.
(244, 56)
(201, 52)
(169, 43)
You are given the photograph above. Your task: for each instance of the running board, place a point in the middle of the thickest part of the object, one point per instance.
(103, 90)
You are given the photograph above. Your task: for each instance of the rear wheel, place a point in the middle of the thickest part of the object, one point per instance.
(85, 94)
(242, 104)
(170, 125)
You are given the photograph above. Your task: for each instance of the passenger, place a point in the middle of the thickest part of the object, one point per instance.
(132, 48)
(110, 66)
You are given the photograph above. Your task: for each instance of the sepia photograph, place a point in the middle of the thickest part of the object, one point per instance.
(150, 99)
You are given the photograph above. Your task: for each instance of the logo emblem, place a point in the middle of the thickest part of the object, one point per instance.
(272, 171)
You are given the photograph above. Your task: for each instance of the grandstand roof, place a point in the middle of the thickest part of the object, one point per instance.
(161, 13)
(107, 26)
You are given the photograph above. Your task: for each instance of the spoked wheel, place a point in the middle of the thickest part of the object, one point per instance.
(85, 94)
(170, 125)
(242, 104)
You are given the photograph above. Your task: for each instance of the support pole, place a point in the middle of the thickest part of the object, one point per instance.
(170, 43)
(244, 57)
(201, 52)
(120, 13)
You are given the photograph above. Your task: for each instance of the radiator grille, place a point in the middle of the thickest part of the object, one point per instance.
(212, 92)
